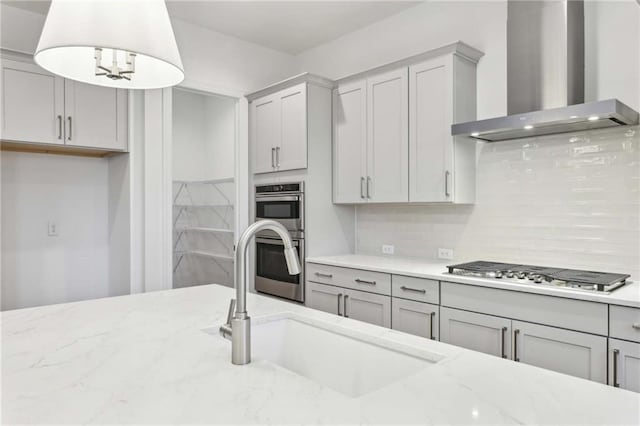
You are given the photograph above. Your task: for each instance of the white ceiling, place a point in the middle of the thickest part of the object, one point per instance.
(288, 26)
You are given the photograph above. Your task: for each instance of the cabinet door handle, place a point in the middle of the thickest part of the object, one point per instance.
(615, 368)
(320, 274)
(346, 296)
(362, 187)
(502, 338)
(359, 281)
(273, 161)
(446, 183)
(277, 156)
(70, 127)
(369, 187)
(432, 315)
(416, 290)
(59, 127)
(515, 345)
(339, 300)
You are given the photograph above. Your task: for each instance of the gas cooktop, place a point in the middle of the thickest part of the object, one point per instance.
(573, 279)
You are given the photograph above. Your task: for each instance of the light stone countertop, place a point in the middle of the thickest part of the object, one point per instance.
(628, 295)
(145, 359)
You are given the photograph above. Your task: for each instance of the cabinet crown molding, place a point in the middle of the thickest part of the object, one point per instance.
(304, 77)
(458, 48)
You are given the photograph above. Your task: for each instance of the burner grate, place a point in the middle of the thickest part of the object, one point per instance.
(600, 281)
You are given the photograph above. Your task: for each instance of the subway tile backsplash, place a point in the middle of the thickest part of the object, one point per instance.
(570, 200)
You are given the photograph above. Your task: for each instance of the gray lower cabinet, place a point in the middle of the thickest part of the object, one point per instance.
(624, 364)
(479, 332)
(413, 317)
(565, 351)
(367, 307)
(325, 298)
(359, 305)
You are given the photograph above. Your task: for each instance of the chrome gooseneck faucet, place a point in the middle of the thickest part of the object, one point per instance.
(238, 326)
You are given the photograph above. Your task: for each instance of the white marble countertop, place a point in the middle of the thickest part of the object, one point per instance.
(628, 295)
(145, 359)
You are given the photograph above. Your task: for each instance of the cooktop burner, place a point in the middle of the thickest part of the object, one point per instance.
(555, 277)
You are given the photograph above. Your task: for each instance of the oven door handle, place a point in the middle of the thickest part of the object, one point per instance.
(266, 199)
(276, 242)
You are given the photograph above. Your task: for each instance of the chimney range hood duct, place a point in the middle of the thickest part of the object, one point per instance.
(545, 77)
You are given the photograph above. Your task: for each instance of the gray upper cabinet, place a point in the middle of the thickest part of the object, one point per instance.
(350, 142)
(32, 104)
(279, 130)
(96, 116)
(38, 107)
(392, 131)
(387, 139)
(370, 139)
(442, 91)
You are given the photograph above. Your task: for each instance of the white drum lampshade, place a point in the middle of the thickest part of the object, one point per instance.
(115, 43)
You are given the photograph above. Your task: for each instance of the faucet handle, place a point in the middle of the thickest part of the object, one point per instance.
(232, 308)
(225, 329)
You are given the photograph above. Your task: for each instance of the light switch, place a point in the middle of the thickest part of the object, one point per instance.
(52, 229)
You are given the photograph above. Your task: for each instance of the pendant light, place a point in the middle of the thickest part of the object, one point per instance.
(115, 43)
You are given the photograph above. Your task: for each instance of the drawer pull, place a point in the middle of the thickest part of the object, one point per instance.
(636, 325)
(344, 311)
(320, 274)
(359, 281)
(431, 317)
(615, 368)
(416, 290)
(502, 353)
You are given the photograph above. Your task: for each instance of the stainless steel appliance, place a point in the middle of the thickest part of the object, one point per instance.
(284, 203)
(545, 77)
(572, 279)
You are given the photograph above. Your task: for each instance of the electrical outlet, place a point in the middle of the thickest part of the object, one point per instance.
(445, 253)
(387, 249)
(52, 229)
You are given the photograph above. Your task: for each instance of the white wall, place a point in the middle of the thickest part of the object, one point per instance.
(567, 200)
(418, 29)
(203, 136)
(72, 191)
(612, 51)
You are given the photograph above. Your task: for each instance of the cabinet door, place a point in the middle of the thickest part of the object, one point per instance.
(430, 140)
(624, 361)
(569, 352)
(325, 298)
(96, 116)
(416, 318)
(367, 307)
(482, 333)
(32, 104)
(291, 152)
(265, 135)
(387, 137)
(349, 142)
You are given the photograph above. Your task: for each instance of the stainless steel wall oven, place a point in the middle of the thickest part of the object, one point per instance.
(285, 204)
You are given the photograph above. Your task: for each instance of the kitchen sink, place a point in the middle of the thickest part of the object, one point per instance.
(351, 362)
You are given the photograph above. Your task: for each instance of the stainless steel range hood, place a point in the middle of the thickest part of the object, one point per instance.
(545, 77)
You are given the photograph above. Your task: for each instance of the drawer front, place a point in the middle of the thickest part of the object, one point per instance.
(357, 279)
(572, 314)
(624, 323)
(417, 289)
